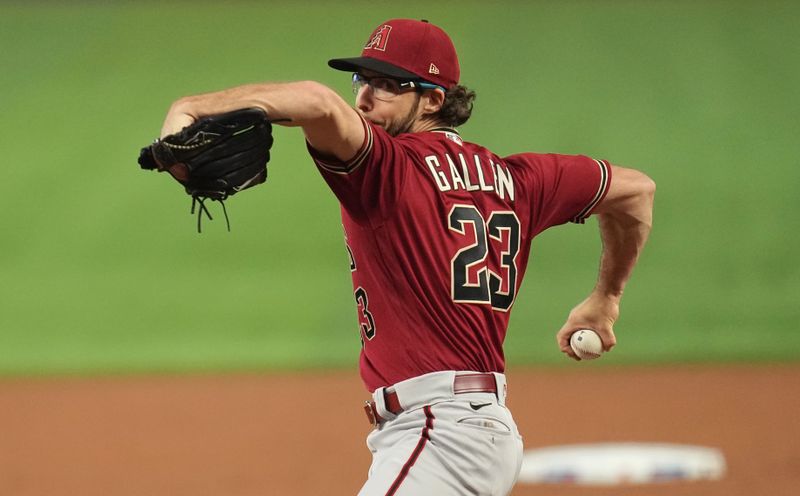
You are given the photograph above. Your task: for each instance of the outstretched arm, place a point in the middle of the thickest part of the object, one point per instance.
(625, 218)
(331, 125)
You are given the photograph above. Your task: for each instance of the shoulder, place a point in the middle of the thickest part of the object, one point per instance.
(548, 163)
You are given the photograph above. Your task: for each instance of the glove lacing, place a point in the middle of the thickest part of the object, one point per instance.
(200, 200)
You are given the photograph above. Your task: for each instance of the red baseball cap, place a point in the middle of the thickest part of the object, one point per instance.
(407, 49)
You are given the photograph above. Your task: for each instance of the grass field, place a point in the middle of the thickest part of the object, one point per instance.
(101, 269)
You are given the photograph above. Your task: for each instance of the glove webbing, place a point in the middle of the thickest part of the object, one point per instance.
(200, 200)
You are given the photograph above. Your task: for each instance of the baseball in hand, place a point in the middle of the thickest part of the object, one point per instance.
(586, 344)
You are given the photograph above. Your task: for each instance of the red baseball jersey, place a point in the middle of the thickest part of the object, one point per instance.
(439, 231)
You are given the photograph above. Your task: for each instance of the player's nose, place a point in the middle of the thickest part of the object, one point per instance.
(364, 101)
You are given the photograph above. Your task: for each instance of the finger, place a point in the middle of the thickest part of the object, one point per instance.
(562, 339)
(608, 338)
(563, 343)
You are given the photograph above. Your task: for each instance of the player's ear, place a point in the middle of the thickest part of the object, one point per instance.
(432, 101)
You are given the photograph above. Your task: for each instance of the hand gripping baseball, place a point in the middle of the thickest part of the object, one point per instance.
(598, 313)
(216, 157)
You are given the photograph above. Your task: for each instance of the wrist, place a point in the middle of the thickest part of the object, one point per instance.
(611, 293)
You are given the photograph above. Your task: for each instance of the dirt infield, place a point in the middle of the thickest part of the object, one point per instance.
(303, 434)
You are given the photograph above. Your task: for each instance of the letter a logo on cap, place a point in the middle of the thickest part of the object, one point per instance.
(380, 38)
(433, 69)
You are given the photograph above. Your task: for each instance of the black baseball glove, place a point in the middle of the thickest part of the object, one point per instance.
(216, 157)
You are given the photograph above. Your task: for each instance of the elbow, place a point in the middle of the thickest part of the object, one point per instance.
(647, 194)
(647, 188)
(630, 199)
(322, 102)
(649, 185)
(312, 91)
(638, 187)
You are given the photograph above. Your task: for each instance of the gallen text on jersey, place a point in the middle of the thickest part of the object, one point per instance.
(471, 175)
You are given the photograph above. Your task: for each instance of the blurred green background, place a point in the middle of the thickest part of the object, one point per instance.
(102, 271)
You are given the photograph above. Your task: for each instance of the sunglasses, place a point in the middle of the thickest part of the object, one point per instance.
(385, 89)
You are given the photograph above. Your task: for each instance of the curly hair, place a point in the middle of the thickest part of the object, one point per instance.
(457, 106)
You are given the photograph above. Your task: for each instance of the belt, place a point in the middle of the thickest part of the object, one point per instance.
(464, 383)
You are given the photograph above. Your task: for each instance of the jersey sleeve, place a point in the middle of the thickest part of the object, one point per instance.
(367, 186)
(562, 188)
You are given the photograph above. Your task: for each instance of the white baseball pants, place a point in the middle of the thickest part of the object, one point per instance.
(443, 444)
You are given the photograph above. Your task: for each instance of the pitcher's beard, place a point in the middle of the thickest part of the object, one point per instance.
(404, 125)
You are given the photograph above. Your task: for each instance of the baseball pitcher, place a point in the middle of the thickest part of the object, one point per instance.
(438, 232)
